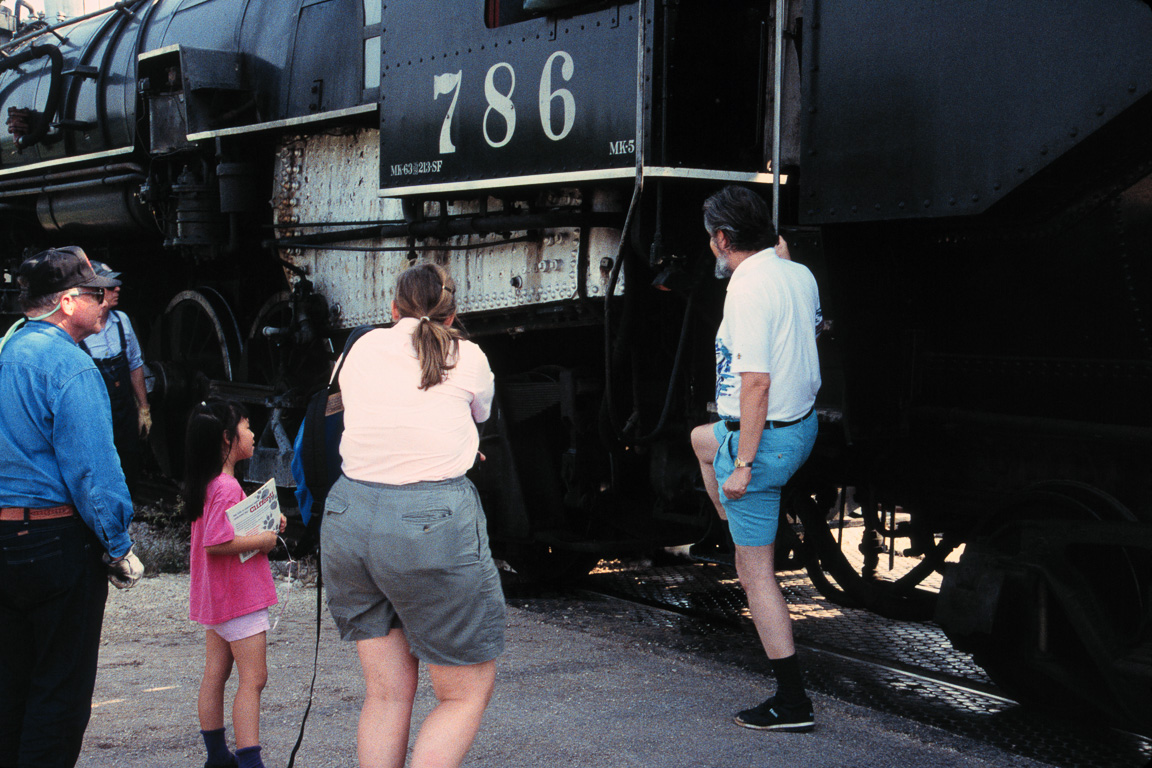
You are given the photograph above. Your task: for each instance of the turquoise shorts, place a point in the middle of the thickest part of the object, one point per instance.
(753, 518)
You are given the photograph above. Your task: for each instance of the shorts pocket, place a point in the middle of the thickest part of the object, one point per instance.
(432, 539)
(426, 521)
(335, 505)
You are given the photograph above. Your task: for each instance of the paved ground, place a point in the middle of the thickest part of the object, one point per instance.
(569, 693)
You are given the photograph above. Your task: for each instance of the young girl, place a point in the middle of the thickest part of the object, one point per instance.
(229, 597)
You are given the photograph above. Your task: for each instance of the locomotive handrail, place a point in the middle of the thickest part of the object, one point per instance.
(777, 97)
(44, 119)
(126, 6)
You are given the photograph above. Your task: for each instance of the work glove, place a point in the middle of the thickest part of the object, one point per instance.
(144, 421)
(124, 572)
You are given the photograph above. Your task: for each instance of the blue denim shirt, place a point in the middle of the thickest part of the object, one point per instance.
(56, 434)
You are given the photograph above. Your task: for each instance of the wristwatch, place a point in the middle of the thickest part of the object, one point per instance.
(741, 463)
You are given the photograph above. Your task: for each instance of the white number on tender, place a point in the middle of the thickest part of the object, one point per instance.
(442, 85)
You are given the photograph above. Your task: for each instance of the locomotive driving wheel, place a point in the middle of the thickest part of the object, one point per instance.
(276, 355)
(198, 342)
(1052, 597)
(843, 554)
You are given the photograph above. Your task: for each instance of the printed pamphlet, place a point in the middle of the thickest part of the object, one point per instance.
(256, 513)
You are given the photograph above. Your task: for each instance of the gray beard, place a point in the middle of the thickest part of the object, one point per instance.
(723, 271)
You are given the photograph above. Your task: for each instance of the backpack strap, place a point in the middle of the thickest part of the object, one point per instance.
(359, 331)
(320, 438)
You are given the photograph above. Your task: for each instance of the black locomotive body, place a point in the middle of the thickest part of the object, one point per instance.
(970, 182)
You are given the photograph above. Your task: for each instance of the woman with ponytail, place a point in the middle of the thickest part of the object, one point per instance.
(404, 545)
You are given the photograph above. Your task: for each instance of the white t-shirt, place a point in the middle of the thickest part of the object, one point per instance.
(771, 318)
(397, 433)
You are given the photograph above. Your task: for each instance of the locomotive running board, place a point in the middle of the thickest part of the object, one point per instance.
(700, 174)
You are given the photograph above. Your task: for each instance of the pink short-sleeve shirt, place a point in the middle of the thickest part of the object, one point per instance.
(222, 587)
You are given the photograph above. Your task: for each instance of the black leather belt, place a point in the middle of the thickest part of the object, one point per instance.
(734, 426)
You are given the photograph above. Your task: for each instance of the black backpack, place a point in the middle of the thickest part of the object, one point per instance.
(316, 463)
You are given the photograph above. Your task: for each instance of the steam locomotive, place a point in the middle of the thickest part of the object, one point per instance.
(971, 183)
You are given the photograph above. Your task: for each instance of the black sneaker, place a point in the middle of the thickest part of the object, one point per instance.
(774, 716)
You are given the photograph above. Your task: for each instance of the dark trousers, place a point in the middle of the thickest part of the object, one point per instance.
(52, 593)
(126, 434)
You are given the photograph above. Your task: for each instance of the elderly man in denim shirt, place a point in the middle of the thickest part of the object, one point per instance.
(64, 512)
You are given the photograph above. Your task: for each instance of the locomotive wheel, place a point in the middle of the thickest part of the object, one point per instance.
(834, 573)
(198, 342)
(1067, 613)
(273, 357)
(267, 355)
(201, 335)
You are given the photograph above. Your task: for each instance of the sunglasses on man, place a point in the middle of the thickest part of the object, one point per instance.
(98, 293)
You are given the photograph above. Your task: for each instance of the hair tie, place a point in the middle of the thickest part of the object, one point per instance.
(425, 319)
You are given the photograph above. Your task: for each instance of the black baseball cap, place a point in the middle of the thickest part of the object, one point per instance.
(58, 269)
(103, 270)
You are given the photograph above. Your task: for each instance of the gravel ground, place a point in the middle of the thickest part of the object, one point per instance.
(580, 690)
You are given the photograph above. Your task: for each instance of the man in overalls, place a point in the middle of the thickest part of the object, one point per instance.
(116, 353)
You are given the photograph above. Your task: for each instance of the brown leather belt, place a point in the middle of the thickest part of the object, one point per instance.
(25, 513)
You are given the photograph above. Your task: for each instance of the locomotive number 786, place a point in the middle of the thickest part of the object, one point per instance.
(500, 103)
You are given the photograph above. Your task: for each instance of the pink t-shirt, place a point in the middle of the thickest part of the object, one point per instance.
(397, 433)
(222, 587)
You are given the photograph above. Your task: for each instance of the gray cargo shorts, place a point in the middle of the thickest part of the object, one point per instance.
(416, 557)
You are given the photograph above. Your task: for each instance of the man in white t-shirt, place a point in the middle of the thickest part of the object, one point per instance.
(767, 376)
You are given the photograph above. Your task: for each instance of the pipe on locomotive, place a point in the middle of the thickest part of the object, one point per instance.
(454, 226)
(43, 119)
(27, 185)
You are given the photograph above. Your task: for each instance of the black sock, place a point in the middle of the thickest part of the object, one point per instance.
(217, 747)
(789, 680)
(249, 757)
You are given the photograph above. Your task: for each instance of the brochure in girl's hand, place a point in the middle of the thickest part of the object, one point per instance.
(258, 512)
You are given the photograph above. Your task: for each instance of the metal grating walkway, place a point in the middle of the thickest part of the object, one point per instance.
(904, 668)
